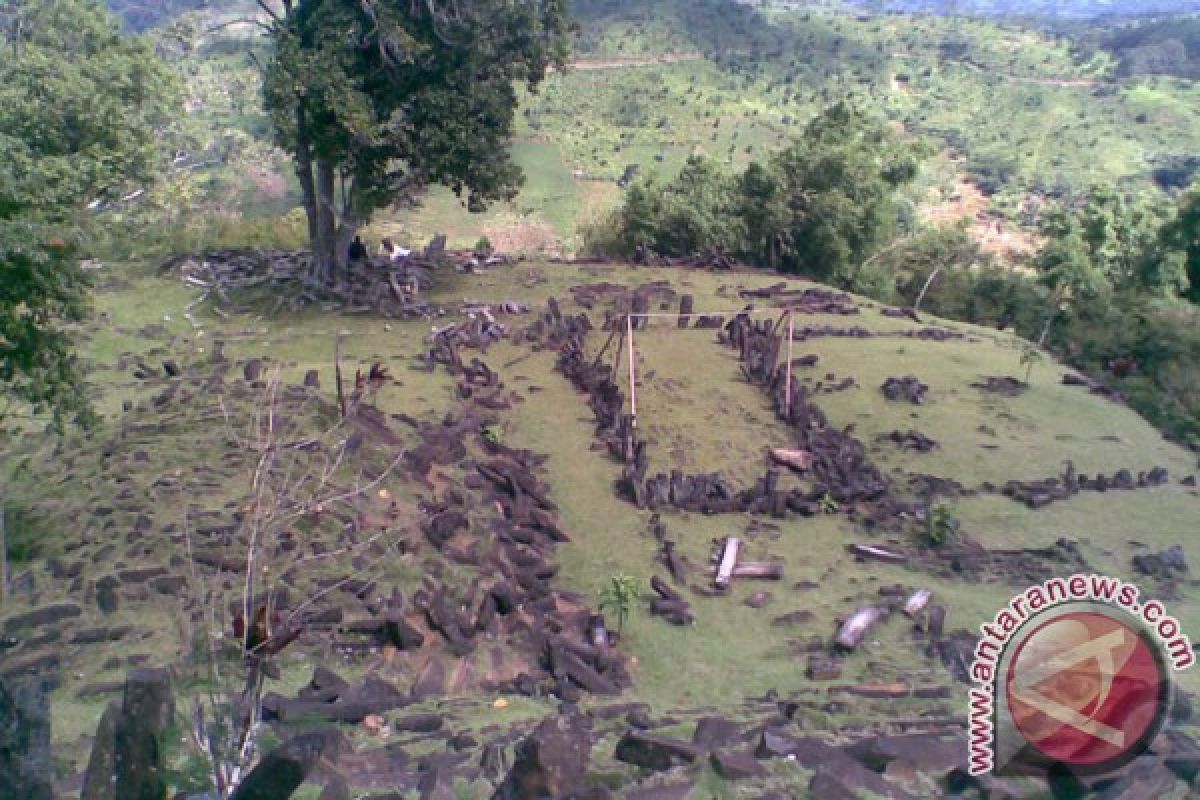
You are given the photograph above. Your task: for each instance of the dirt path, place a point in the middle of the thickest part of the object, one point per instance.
(1051, 80)
(634, 61)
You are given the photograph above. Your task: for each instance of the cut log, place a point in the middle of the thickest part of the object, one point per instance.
(855, 629)
(727, 562)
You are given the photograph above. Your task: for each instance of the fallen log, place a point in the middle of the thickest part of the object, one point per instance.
(855, 629)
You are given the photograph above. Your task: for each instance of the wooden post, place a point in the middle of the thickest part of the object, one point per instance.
(337, 371)
(604, 349)
(928, 282)
(632, 370)
(787, 373)
(620, 351)
(686, 306)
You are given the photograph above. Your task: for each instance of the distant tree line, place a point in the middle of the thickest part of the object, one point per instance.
(1163, 47)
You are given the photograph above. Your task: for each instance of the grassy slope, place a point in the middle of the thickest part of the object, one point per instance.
(694, 409)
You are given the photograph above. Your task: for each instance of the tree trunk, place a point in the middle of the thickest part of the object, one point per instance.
(1051, 315)
(924, 289)
(347, 228)
(325, 251)
(308, 189)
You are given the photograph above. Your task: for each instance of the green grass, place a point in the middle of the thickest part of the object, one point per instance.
(698, 414)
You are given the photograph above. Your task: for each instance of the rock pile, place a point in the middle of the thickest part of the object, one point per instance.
(379, 285)
(1041, 493)
(907, 390)
(1001, 384)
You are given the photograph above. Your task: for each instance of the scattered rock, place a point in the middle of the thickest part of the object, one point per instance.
(146, 710)
(1167, 565)
(282, 770)
(42, 616)
(1003, 384)
(26, 769)
(653, 752)
(419, 723)
(736, 765)
(907, 389)
(98, 779)
(759, 599)
(714, 732)
(551, 762)
(911, 440)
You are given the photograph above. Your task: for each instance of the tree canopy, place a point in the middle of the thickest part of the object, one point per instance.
(822, 206)
(81, 110)
(377, 100)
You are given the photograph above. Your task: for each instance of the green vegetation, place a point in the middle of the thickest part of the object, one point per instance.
(79, 108)
(493, 434)
(1030, 358)
(941, 525)
(344, 75)
(1112, 275)
(881, 155)
(618, 597)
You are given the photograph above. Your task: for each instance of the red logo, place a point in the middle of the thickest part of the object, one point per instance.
(1086, 689)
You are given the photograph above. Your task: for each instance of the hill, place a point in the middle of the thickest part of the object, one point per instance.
(734, 82)
(138, 529)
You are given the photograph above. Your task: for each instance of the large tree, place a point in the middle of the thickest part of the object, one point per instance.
(378, 99)
(1181, 237)
(81, 110)
(836, 190)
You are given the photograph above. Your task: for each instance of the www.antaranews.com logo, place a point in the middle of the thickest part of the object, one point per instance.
(1075, 672)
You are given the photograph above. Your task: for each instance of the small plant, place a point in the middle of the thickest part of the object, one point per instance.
(1031, 357)
(941, 525)
(618, 597)
(829, 504)
(483, 247)
(493, 434)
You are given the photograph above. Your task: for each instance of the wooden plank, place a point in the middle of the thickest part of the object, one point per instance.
(728, 561)
(787, 372)
(632, 370)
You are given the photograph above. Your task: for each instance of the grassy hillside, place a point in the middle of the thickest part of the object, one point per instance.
(1022, 114)
(698, 414)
